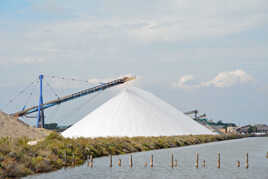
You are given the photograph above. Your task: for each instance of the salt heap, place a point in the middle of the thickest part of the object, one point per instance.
(135, 112)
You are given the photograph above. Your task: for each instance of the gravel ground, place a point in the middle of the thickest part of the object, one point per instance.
(12, 127)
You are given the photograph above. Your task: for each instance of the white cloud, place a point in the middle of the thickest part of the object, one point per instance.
(228, 79)
(22, 60)
(31, 60)
(192, 28)
(190, 20)
(222, 80)
(182, 83)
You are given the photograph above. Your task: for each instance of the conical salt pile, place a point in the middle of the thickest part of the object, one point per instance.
(135, 112)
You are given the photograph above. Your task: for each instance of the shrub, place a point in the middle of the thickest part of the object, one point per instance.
(13, 169)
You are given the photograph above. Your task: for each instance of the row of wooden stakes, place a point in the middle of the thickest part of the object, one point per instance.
(173, 163)
(219, 161)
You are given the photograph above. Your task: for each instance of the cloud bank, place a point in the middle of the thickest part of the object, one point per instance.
(221, 80)
(91, 35)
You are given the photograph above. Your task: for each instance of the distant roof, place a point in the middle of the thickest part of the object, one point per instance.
(262, 127)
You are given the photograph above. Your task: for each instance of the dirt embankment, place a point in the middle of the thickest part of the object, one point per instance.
(14, 128)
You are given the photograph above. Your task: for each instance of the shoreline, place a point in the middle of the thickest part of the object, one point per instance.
(19, 159)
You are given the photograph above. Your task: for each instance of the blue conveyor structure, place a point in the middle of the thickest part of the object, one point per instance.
(41, 107)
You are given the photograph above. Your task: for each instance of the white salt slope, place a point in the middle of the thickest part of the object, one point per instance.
(135, 112)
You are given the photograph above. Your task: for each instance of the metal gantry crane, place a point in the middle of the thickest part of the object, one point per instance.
(195, 112)
(196, 116)
(42, 106)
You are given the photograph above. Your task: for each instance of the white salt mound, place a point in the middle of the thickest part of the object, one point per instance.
(135, 112)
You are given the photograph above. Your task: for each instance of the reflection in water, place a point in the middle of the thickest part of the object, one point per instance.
(231, 152)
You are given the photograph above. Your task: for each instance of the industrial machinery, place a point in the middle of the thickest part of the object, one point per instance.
(196, 116)
(42, 106)
(195, 112)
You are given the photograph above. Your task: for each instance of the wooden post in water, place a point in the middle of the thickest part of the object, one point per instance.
(246, 160)
(65, 158)
(204, 164)
(176, 163)
(73, 160)
(111, 161)
(172, 161)
(88, 161)
(145, 164)
(130, 161)
(267, 155)
(238, 164)
(91, 161)
(219, 160)
(119, 162)
(197, 160)
(152, 161)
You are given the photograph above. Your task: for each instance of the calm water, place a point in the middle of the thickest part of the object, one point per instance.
(231, 151)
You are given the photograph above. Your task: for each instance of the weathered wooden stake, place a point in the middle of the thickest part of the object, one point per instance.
(246, 160)
(130, 161)
(197, 160)
(176, 163)
(145, 164)
(91, 161)
(152, 161)
(65, 157)
(73, 160)
(204, 164)
(219, 160)
(119, 162)
(172, 161)
(88, 161)
(238, 164)
(111, 161)
(267, 155)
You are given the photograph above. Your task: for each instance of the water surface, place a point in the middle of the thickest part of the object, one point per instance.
(231, 151)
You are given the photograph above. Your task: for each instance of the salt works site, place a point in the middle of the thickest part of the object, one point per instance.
(134, 120)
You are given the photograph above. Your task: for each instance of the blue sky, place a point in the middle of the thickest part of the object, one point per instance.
(209, 55)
